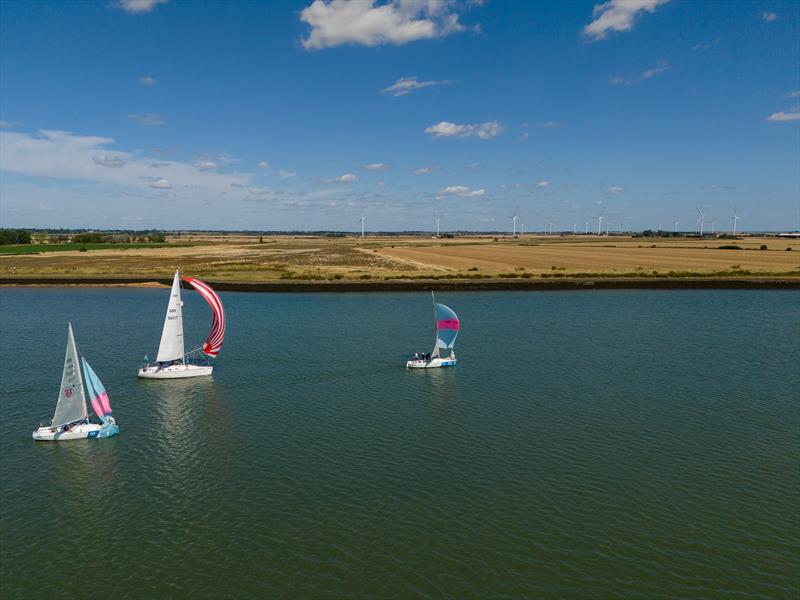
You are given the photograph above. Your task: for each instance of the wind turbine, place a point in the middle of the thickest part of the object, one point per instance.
(522, 229)
(735, 219)
(712, 227)
(701, 221)
(587, 227)
(438, 218)
(599, 223)
(361, 220)
(676, 226)
(574, 228)
(514, 221)
(551, 228)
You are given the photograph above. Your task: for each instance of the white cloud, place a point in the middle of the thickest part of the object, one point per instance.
(205, 165)
(654, 71)
(114, 162)
(147, 119)
(139, 6)
(524, 135)
(617, 15)
(542, 184)
(284, 174)
(785, 116)
(377, 166)
(615, 189)
(336, 22)
(147, 81)
(769, 17)
(483, 131)
(793, 94)
(8, 125)
(64, 155)
(406, 85)
(426, 170)
(552, 124)
(701, 46)
(461, 190)
(263, 165)
(160, 184)
(347, 178)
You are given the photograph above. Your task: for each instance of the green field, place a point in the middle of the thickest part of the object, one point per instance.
(40, 248)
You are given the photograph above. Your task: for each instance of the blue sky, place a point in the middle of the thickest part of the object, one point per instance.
(301, 115)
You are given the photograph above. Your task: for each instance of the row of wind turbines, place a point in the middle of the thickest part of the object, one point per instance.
(600, 218)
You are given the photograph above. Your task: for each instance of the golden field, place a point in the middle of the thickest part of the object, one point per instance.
(281, 258)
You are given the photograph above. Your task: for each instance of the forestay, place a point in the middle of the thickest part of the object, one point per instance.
(213, 343)
(71, 405)
(171, 346)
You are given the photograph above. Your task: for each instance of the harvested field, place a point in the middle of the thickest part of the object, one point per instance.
(279, 258)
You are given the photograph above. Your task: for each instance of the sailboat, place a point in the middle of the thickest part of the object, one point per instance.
(171, 361)
(71, 419)
(443, 355)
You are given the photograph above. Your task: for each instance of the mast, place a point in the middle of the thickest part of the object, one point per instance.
(171, 346)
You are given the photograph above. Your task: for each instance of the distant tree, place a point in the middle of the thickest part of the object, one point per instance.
(40, 237)
(14, 236)
(88, 238)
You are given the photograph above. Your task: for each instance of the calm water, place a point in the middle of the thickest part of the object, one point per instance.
(590, 444)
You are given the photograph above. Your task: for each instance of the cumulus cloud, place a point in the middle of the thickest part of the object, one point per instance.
(284, 174)
(406, 85)
(617, 15)
(483, 131)
(542, 184)
(552, 124)
(205, 165)
(347, 178)
(8, 125)
(263, 165)
(139, 6)
(425, 170)
(147, 81)
(147, 119)
(336, 22)
(769, 17)
(64, 155)
(377, 166)
(795, 94)
(615, 189)
(461, 190)
(524, 135)
(785, 116)
(160, 184)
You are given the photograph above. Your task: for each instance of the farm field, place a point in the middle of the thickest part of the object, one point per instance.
(281, 258)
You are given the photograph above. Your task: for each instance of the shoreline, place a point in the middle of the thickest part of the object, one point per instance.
(559, 284)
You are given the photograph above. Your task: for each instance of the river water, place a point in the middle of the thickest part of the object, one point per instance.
(642, 444)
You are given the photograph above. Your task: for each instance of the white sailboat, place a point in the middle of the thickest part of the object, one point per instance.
(71, 419)
(443, 355)
(172, 362)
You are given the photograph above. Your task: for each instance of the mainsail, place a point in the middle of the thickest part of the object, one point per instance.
(213, 342)
(446, 328)
(71, 405)
(171, 346)
(97, 393)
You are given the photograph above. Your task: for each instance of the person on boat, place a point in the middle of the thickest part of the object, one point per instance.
(416, 355)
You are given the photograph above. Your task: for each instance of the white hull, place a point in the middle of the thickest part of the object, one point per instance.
(174, 371)
(78, 432)
(434, 363)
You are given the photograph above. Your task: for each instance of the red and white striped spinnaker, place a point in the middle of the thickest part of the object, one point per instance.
(213, 342)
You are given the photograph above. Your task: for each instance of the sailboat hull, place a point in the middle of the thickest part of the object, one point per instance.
(78, 432)
(174, 371)
(434, 363)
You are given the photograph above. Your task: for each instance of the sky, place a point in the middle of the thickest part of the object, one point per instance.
(305, 115)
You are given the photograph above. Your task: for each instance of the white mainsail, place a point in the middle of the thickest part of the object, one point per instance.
(171, 347)
(71, 405)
